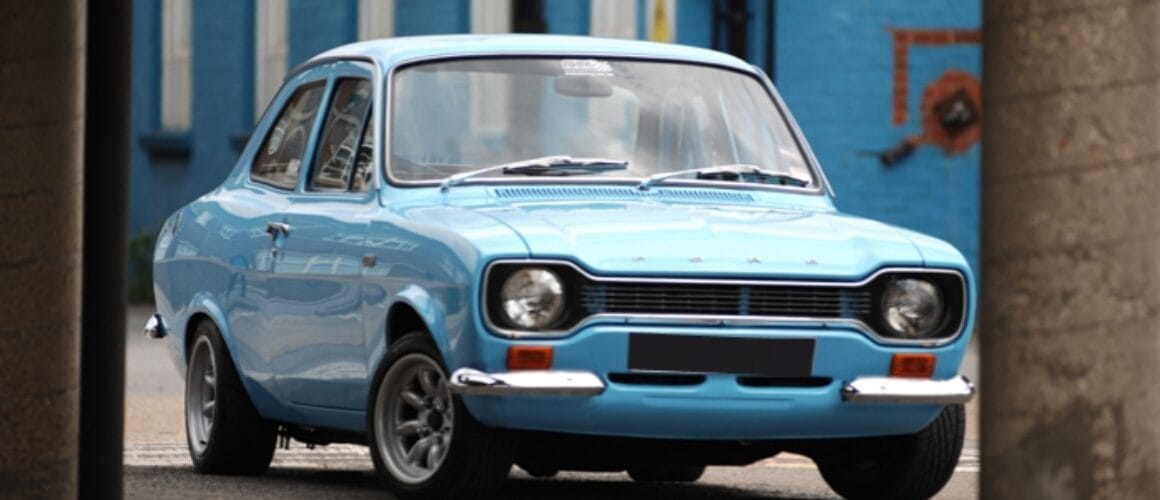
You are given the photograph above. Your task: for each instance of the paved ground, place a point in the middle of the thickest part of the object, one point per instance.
(157, 464)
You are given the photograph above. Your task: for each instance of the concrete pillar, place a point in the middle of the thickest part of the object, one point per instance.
(1070, 317)
(41, 68)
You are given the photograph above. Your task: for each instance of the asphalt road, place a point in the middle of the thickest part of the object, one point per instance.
(157, 464)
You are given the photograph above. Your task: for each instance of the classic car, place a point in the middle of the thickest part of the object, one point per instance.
(562, 253)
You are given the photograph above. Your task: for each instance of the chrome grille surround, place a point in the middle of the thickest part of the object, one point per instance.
(726, 302)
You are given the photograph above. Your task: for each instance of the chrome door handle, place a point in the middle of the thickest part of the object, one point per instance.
(277, 227)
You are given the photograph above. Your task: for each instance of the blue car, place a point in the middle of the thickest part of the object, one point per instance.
(563, 253)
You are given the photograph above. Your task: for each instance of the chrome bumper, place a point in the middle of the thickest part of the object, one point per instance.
(526, 383)
(155, 327)
(896, 390)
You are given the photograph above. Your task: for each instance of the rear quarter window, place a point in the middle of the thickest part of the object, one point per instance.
(279, 161)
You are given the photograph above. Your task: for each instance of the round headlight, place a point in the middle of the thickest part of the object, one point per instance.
(912, 308)
(532, 298)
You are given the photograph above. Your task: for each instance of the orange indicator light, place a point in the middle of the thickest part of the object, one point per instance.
(529, 357)
(912, 365)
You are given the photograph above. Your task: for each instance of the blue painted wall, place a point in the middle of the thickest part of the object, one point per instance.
(429, 17)
(318, 25)
(568, 17)
(148, 185)
(223, 90)
(222, 96)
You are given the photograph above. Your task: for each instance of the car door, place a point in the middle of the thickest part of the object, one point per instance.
(249, 216)
(315, 289)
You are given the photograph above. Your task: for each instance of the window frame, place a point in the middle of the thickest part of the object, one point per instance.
(307, 147)
(331, 95)
(271, 50)
(376, 19)
(821, 186)
(327, 73)
(175, 111)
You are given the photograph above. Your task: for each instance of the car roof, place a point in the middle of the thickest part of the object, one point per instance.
(391, 52)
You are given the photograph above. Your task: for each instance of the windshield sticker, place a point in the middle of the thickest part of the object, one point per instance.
(586, 67)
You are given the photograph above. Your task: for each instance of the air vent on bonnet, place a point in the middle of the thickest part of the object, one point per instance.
(620, 193)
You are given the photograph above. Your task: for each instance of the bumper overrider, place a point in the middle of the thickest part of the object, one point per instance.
(554, 383)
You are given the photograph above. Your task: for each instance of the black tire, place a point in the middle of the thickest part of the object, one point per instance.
(228, 436)
(460, 458)
(901, 467)
(666, 473)
(539, 470)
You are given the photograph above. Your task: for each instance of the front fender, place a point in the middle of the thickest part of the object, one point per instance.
(434, 314)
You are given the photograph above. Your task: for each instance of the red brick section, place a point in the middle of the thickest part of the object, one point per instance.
(903, 39)
(951, 84)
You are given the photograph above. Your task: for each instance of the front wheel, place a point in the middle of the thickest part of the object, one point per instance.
(900, 467)
(423, 441)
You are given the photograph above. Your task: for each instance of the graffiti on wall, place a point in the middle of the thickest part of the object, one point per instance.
(951, 106)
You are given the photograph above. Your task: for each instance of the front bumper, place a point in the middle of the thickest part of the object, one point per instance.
(471, 382)
(715, 406)
(548, 383)
(895, 390)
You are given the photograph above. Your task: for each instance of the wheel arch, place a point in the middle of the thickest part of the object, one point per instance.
(204, 307)
(413, 308)
(260, 391)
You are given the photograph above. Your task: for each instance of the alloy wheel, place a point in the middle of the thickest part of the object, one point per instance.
(201, 395)
(417, 418)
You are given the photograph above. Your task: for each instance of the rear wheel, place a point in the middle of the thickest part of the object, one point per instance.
(423, 441)
(667, 473)
(900, 467)
(224, 432)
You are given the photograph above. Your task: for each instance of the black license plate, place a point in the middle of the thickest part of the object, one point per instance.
(701, 354)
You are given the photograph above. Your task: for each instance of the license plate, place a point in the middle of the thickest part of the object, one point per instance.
(703, 354)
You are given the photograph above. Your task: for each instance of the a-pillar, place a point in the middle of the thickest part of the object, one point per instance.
(1070, 310)
(41, 85)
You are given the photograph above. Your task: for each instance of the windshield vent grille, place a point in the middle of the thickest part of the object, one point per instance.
(726, 300)
(621, 193)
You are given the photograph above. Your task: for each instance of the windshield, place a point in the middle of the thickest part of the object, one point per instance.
(453, 117)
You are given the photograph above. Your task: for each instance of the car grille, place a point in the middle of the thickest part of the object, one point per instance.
(725, 300)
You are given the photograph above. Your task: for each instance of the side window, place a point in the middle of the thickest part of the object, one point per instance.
(280, 158)
(338, 151)
(364, 166)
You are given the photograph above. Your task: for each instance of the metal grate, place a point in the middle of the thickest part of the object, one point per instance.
(725, 300)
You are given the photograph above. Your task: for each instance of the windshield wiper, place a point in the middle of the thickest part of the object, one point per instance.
(739, 172)
(545, 165)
